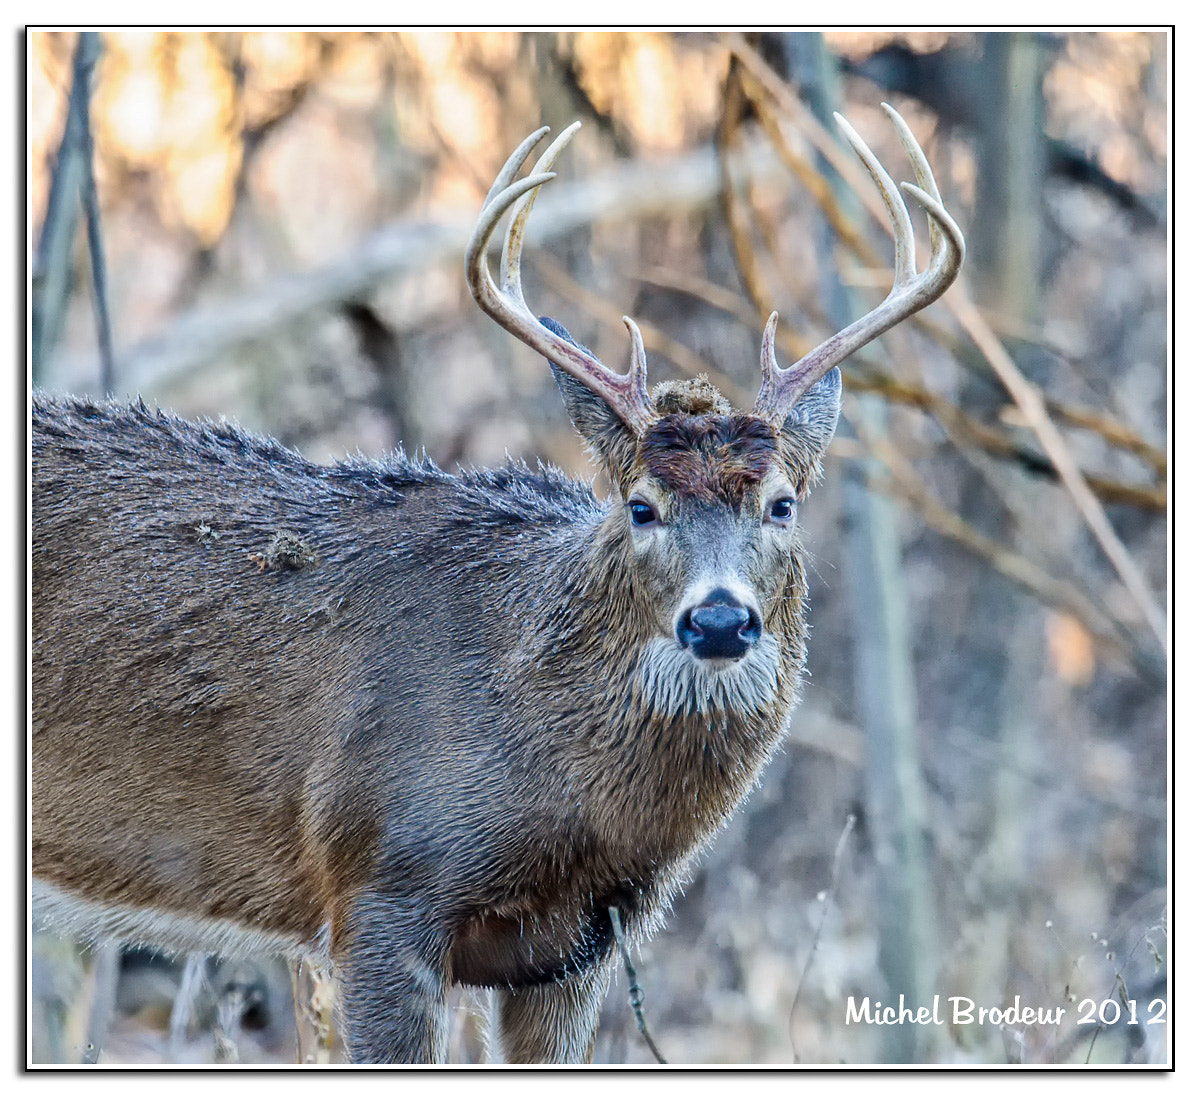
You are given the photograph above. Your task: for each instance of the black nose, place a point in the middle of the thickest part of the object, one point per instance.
(720, 627)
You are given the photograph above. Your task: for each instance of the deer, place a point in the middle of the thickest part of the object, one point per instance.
(428, 728)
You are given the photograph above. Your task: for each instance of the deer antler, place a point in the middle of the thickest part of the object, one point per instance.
(625, 393)
(911, 292)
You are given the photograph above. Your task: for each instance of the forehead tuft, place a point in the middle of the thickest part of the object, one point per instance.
(709, 458)
(693, 396)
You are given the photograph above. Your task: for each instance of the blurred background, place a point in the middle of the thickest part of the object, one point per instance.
(973, 798)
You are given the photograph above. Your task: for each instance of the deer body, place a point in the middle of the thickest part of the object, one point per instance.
(437, 697)
(430, 727)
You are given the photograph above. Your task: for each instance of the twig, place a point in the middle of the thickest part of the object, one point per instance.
(193, 984)
(1114, 433)
(740, 229)
(313, 1005)
(826, 898)
(717, 297)
(52, 263)
(635, 991)
(964, 429)
(1118, 983)
(106, 971)
(1107, 630)
(230, 1006)
(86, 55)
(1029, 400)
(818, 187)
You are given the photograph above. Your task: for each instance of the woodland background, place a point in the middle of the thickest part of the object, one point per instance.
(974, 797)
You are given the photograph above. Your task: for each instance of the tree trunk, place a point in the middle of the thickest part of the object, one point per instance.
(896, 813)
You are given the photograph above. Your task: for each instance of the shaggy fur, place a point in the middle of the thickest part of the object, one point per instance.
(429, 727)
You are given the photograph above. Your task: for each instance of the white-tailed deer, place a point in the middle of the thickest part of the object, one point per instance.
(429, 727)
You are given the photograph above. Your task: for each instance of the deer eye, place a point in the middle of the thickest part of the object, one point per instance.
(783, 511)
(641, 513)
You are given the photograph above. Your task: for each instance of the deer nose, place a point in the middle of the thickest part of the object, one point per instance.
(720, 627)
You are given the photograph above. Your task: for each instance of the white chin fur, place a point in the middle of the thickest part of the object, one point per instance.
(673, 681)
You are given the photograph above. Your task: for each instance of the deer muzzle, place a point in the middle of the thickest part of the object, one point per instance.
(722, 626)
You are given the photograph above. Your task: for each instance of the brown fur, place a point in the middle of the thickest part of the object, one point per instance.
(416, 740)
(709, 458)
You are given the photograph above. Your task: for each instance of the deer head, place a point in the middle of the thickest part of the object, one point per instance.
(709, 494)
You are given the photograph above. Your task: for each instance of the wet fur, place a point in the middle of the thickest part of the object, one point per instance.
(435, 739)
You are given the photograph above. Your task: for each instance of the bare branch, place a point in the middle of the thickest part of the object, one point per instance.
(630, 191)
(1031, 404)
(826, 897)
(1110, 636)
(635, 991)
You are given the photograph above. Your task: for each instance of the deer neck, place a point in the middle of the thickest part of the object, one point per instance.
(638, 720)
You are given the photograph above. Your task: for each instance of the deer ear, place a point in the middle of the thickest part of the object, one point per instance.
(810, 425)
(814, 419)
(606, 434)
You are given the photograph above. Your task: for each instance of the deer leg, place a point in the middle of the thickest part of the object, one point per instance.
(392, 965)
(552, 1022)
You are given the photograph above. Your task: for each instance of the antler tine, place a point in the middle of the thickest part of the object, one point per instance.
(637, 355)
(513, 164)
(515, 237)
(921, 169)
(911, 291)
(625, 393)
(902, 230)
(940, 233)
